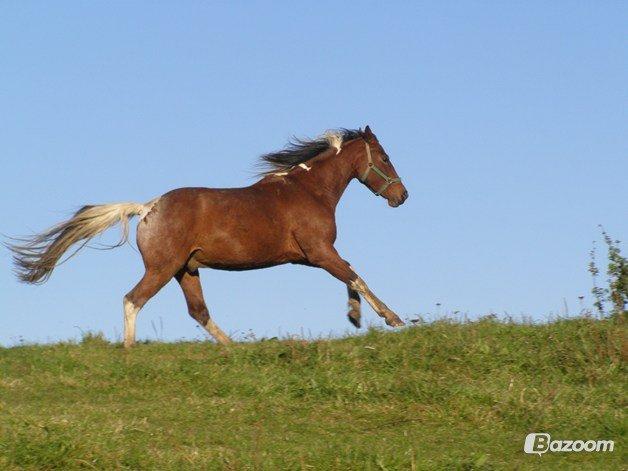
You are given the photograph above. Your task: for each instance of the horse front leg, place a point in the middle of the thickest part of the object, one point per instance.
(354, 315)
(377, 304)
(328, 259)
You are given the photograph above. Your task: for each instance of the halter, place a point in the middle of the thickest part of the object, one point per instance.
(371, 166)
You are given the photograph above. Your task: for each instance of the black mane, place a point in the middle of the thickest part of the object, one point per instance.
(298, 151)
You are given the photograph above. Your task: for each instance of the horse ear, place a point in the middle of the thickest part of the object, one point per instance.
(368, 133)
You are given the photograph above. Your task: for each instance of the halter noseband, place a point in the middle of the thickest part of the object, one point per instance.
(371, 166)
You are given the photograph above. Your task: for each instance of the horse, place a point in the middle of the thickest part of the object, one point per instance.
(288, 216)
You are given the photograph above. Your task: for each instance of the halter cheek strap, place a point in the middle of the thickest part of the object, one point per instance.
(371, 166)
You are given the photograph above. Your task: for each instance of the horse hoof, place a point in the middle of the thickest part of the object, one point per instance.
(393, 320)
(354, 318)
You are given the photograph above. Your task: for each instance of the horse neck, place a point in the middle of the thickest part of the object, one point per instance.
(330, 174)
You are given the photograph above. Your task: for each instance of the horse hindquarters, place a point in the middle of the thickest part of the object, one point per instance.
(164, 254)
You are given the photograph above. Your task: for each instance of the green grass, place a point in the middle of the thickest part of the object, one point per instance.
(440, 396)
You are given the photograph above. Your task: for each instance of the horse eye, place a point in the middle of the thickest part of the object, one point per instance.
(385, 159)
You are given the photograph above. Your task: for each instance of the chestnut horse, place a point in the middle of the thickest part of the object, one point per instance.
(286, 217)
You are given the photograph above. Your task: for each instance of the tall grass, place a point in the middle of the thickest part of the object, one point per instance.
(616, 291)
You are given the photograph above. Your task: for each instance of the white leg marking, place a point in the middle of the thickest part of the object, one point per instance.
(380, 308)
(354, 305)
(130, 314)
(360, 286)
(217, 332)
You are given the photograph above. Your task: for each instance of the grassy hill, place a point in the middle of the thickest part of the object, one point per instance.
(438, 396)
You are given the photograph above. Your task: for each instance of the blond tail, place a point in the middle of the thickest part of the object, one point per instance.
(35, 257)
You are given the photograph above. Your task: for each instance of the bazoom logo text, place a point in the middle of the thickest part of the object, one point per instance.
(541, 443)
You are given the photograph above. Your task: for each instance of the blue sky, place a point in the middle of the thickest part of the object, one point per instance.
(506, 120)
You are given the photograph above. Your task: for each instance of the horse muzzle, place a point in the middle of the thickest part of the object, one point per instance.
(394, 202)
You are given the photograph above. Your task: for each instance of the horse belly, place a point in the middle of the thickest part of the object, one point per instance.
(239, 247)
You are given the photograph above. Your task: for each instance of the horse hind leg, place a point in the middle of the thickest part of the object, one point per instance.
(148, 286)
(191, 285)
